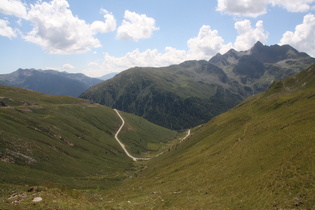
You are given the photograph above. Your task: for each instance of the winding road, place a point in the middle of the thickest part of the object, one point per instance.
(188, 133)
(123, 146)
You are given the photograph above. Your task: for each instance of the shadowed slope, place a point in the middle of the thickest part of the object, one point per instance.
(259, 155)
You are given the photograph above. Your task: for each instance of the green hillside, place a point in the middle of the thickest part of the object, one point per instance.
(191, 93)
(65, 141)
(177, 97)
(259, 155)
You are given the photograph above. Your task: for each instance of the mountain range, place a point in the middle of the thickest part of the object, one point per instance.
(191, 93)
(49, 81)
(257, 155)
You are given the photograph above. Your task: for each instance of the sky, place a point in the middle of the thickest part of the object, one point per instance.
(98, 37)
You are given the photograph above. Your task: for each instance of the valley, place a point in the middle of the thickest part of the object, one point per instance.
(191, 93)
(171, 105)
(75, 153)
(121, 144)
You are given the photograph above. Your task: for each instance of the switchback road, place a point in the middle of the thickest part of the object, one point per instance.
(121, 144)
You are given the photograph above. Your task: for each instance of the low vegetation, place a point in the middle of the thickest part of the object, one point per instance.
(59, 141)
(258, 155)
(191, 93)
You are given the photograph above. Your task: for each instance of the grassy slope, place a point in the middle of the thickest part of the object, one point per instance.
(175, 97)
(57, 140)
(259, 155)
(142, 137)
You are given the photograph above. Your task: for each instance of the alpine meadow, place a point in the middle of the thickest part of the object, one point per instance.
(157, 104)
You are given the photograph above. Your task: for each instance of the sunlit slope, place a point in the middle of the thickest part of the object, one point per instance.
(142, 137)
(259, 155)
(63, 140)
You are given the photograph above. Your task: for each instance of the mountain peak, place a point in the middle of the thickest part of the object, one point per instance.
(258, 44)
(258, 47)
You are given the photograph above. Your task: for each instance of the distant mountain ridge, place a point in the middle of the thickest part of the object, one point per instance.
(49, 81)
(191, 93)
(108, 76)
(260, 65)
(258, 155)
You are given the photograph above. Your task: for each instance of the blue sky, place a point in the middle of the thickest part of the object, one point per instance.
(97, 37)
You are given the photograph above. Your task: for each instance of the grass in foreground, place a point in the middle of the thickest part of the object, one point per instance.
(259, 155)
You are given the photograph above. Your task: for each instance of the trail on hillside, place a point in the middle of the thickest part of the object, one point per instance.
(121, 144)
(188, 134)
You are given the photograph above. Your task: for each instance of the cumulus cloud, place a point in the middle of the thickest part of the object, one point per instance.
(294, 6)
(206, 44)
(303, 37)
(136, 26)
(150, 57)
(57, 30)
(13, 7)
(106, 26)
(247, 35)
(67, 66)
(6, 30)
(254, 8)
(250, 8)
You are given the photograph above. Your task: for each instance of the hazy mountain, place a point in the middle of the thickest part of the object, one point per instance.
(191, 93)
(49, 81)
(108, 76)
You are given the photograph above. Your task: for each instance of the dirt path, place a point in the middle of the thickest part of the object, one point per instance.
(188, 133)
(121, 144)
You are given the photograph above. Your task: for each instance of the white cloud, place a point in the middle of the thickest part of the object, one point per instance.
(248, 36)
(13, 7)
(67, 66)
(150, 57)
(59, 32)
(294, 5)
(254, 8)
(206, 44)
(93, 64)
(52, 68)
(6, 30)
(136, 26)
(303, 37)
(250, 8)
(108, 25)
